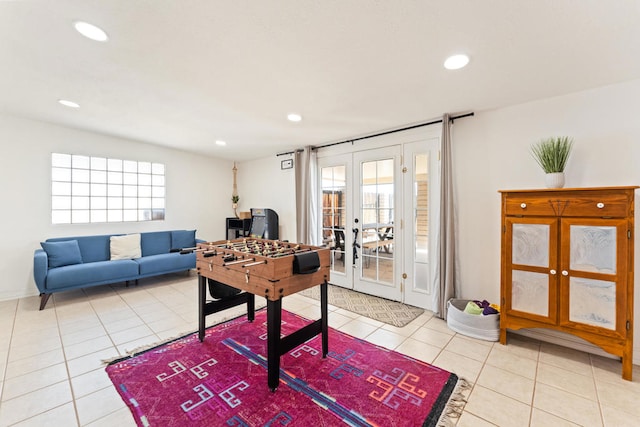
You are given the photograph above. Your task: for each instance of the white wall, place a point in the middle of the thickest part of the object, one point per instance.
(262, 184)
(197, 189)
(491, 153)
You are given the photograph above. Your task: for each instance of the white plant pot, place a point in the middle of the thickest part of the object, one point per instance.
(554, 180)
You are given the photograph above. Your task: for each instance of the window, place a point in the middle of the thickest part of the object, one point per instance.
(96, 189)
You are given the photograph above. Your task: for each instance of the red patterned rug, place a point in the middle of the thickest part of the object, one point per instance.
(223, 382)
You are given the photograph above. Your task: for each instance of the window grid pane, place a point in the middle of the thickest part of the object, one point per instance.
(96, 189)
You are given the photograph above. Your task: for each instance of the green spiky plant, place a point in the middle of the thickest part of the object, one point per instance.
(552, 153)
(235, 199)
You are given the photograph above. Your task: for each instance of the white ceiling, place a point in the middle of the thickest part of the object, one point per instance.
(186, 73)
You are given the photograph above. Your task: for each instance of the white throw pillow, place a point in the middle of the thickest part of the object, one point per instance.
(125, 247)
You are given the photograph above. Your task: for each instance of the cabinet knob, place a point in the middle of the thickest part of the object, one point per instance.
(552, 272)
(565, 273)
(523, 205)
(600, 205)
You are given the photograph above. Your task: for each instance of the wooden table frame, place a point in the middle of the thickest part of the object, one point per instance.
(276, 345)
(384, 234)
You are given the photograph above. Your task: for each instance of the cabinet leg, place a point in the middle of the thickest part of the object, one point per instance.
(627, 364)
(503, 336)
(627, 369)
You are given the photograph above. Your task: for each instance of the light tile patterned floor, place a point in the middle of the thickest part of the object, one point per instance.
(51, 370)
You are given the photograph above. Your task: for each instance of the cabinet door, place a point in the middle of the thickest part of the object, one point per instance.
(593, 280)
(530, 279)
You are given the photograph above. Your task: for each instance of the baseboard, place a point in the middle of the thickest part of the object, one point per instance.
(571, 341)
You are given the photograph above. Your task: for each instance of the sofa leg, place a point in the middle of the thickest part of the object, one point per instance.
(126, 284)
(43, 300)
(136, 282)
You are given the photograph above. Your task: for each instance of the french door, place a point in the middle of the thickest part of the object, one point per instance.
(421, 208)
(336, 215)
(376, 222)
(377, 209)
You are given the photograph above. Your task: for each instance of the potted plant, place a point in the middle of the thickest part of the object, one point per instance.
(552, 155)
(234, 203)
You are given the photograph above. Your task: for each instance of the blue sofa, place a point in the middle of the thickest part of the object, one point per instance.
(67, 263)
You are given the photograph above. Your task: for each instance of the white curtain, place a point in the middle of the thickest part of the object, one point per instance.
(445, 288)
(306, 167)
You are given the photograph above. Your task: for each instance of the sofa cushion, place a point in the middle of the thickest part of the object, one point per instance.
(125, 247)
(164, 263)
(93, 248)
(62, 253)
(183, 239)
(156, 242)
(91, 273)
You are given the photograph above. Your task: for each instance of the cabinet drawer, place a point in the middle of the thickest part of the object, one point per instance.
(590, 205)
(606, 205)
(529, 205)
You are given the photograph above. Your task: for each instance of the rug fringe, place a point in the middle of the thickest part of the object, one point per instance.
(455, 405)
(142, 348)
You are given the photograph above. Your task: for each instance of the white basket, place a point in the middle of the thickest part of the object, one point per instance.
(483, 327)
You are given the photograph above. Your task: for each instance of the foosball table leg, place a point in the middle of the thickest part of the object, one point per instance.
(251, 307)
(202, 301)
(324, 316)
(274, 320)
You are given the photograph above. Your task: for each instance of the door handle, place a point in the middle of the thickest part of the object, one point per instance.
(355, 244)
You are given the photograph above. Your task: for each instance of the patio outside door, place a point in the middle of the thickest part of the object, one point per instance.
(376, 222)
(421, 190)
(336, 214)
(378, 209)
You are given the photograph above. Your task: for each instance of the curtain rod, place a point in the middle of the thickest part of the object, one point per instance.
(289, 152)
(433, 122)
(391, 131)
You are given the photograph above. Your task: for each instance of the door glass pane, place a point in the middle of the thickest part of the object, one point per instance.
(593, 249)
(530, 292)
(531, 244)
(334, 214)
(385, 269)
(369, 267)
(377, 218)
(421, 222)
(592, 302)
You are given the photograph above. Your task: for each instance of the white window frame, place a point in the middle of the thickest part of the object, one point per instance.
(89, 189)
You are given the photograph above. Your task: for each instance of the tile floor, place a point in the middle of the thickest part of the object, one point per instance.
(52, 372)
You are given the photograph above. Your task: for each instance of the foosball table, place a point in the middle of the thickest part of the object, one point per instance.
(269, 268)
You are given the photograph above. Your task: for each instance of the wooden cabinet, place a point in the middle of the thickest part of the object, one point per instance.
(567, 264)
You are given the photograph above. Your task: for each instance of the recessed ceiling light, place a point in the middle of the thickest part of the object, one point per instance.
(67, 103)
(91, 31)
(221, 143)
(456, 62)
(294, 117)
